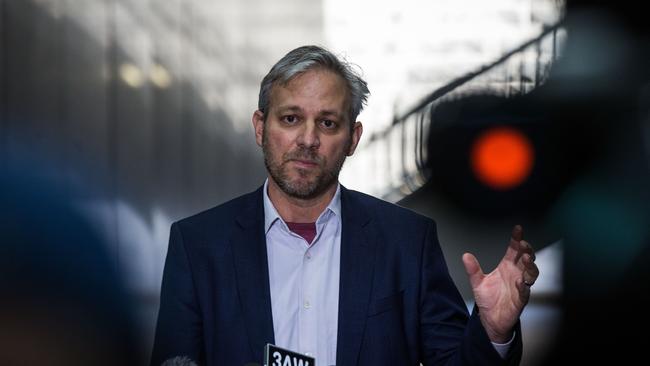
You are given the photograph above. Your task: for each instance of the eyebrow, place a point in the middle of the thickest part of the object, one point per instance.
(324, 112)
(330, 113)
(289, 109)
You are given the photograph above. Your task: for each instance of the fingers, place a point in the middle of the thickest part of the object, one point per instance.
(531, 272)
(513, 251)
(524, 290)
(524, 248)
(521, 285)
(473, 269)
(517, 233)
(524, 259)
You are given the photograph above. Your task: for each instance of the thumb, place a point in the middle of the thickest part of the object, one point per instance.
(473, 269)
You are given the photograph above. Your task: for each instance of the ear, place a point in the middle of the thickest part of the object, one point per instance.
(258, 126)
(357, 130)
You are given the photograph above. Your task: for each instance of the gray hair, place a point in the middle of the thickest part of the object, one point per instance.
(307, 58)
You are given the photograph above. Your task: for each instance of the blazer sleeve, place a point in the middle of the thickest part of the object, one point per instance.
(449, 336)
(179, 330)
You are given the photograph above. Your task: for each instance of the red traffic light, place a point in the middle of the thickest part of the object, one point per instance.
(502, 158)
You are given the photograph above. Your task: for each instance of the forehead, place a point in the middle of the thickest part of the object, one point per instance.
(311, 90)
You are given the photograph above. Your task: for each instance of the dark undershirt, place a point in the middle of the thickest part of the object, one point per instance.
(307, 230)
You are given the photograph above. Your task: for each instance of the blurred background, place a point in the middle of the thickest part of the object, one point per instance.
(136, 113)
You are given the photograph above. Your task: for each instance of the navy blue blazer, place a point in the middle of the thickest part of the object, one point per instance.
(397, 303)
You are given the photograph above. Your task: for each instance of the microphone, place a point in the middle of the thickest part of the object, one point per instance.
(276, 356)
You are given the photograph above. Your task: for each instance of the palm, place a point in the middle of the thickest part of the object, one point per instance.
(501, 295)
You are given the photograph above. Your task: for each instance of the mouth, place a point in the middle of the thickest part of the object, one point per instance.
(304, 164)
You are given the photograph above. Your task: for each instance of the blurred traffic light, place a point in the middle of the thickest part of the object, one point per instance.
(502, 157)
(495, 157)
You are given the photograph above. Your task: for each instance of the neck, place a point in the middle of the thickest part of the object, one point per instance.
(293, 209)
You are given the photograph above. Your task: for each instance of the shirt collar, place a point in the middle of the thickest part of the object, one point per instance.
(271, 214)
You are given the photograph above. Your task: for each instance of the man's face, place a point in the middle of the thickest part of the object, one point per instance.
(306, 135)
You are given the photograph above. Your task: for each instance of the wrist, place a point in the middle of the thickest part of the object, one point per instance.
(495, 335)
(500, 338)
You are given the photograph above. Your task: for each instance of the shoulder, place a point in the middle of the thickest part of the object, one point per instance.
(248, 206)
(386, 212)
(401, 232)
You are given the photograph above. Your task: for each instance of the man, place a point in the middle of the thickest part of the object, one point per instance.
(305, 264)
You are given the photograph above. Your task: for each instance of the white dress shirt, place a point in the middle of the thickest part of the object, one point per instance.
(304, 281)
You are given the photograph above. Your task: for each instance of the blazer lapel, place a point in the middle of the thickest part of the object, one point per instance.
(251, 265)
(357, 266)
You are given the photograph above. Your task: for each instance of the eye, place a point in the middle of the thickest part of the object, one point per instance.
(328, 124)
(290, 119)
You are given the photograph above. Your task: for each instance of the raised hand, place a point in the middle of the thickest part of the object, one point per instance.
(502, 294)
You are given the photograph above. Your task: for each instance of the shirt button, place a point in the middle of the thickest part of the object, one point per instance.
(307, 305)
(308, 256)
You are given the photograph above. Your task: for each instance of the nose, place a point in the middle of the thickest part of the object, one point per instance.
(308, 136)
